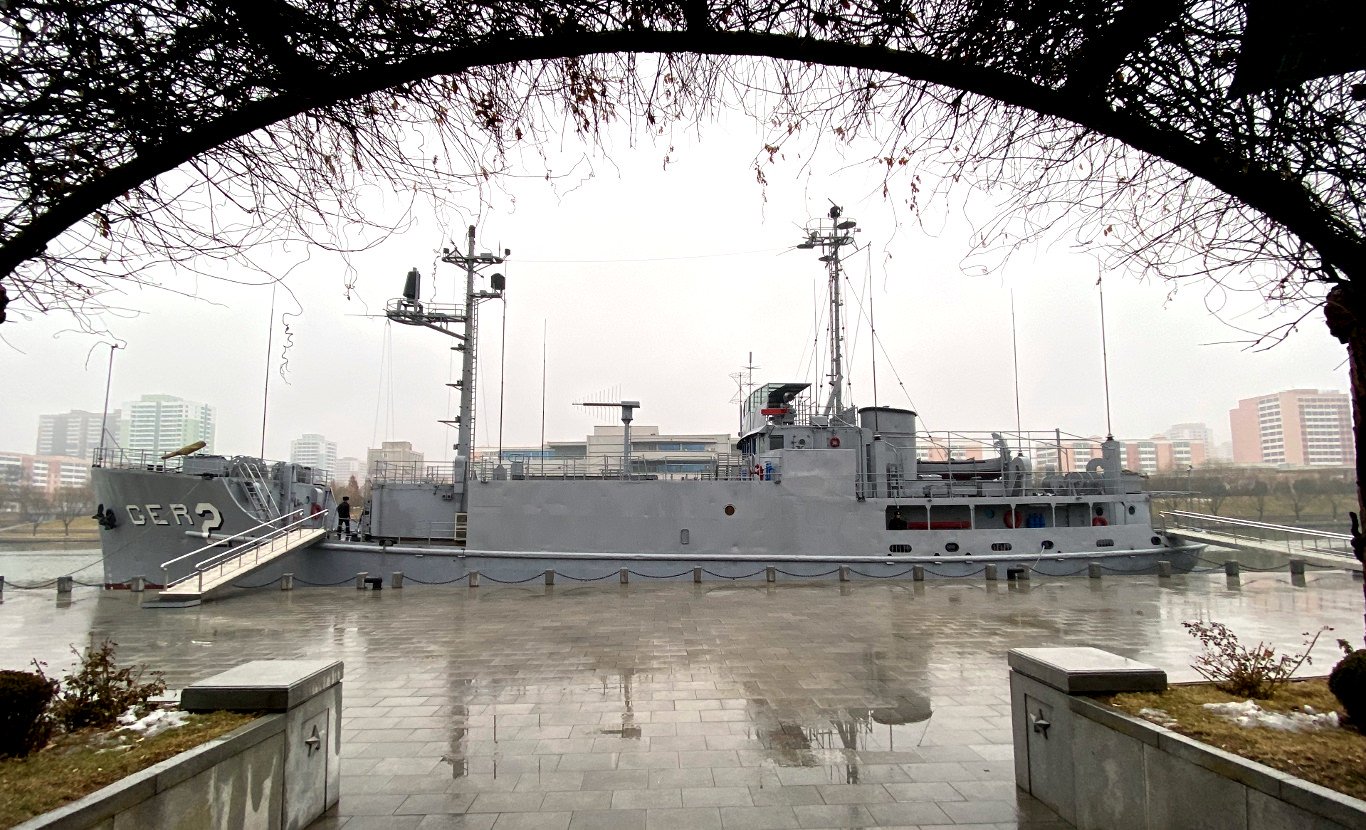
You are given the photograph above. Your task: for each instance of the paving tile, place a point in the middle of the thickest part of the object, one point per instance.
(720, 705)
(705, 818)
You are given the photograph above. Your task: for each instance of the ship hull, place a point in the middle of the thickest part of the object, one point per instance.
(590, 531)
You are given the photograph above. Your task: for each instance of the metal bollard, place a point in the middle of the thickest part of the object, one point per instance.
(396, 579)
(137, 584)
(1164, 568)
(1232, 569)
(1357, 575)
(64, 585)
(360, 580)
(990, 572)
(1093, 570)
(625, 575)
(474, 579)
(918, 573)
(287, 582)
(844, 573)
(2, 586)
(697, 575)
(1297, 567)
(1023, 575)
(771, 573)
(550, 577)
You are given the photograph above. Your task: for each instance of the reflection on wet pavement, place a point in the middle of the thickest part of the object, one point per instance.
(677, 705)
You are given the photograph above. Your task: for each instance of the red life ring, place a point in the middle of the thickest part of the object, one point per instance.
(1099, 521)
(1013, 519)
(834, 442)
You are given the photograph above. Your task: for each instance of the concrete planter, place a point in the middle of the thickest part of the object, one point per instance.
(1102, 768)
(279, 771)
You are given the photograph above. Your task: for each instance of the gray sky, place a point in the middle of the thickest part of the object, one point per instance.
(656, 284)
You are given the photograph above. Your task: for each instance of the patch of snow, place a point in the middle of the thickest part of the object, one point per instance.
(154, 722)
(1157, 716)
(1250, 716)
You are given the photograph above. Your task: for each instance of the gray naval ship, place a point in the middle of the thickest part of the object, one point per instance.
(813, 489)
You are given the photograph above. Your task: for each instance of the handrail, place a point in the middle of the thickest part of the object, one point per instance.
(1303, 531)
(221, 558)
(257, 543)
(165, 565)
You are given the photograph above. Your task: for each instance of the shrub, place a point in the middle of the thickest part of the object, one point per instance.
(1348, 685)
(1238, 670)
(24, 723)
(100, 690)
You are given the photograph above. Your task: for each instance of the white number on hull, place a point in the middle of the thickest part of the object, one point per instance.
(212, 518)
(138, 514)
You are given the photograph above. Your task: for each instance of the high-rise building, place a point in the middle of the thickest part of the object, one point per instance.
(162, 423)
(44, 473)
(1297, 428)
(1191, 432)
(348, 467)
(314, 450)
(1162, 454)
(76, 433)
(393, 455)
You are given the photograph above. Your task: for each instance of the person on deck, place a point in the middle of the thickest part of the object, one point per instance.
(344, 517)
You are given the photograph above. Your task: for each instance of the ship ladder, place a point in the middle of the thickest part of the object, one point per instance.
(258, 493)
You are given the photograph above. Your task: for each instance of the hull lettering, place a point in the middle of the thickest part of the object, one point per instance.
(139, 514)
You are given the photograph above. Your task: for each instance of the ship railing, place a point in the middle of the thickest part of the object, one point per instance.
(1006, 485)
(1247, 530)
(117, 458)
(702, 467)
(420, 312)
(257, 543)
(415, 472)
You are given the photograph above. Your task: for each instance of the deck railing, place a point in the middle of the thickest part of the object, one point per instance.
(1247, 530)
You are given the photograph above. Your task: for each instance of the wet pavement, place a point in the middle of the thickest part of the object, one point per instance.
(673, 705)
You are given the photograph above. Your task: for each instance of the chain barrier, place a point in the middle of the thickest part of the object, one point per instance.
(35, 587)
(661, 576)
(882, 576)
(531, 578)
(608, 575)
(723, 576)
(262, 585)
(407, 578)
(806, 576)
(324, 584)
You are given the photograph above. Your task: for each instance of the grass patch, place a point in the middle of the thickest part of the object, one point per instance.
(79, 764)
(1333, 758)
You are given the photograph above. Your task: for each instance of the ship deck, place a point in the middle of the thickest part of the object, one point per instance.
(659, 705)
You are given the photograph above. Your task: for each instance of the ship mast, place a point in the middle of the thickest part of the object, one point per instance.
(410, 310)
(830, 238)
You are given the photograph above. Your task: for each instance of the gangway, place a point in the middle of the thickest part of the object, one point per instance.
(1316, 547)
(221, 568)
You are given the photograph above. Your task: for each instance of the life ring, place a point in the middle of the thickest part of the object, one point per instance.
(1013, 519)
(834, 442)
(1099, 521)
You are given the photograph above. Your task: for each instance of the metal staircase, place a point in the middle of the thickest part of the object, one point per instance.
(219, 569)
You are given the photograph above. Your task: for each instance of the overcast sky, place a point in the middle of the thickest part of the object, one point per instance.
(655, 284)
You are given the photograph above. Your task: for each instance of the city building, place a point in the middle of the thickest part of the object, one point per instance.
(45, 473)
(314, 450)
(158, 424)
(75, 433)
(652, 453)
(348, 467)
(1191, 432)
(1294, 428)
(396, 457)
(1164, 454)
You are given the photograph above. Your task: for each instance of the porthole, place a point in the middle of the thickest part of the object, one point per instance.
(900, 548)
(1105, 543)
(1000, 546)
(730, 510)
(1157, 540)
(951, 547)
(1046, 544)
(1132, 510)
